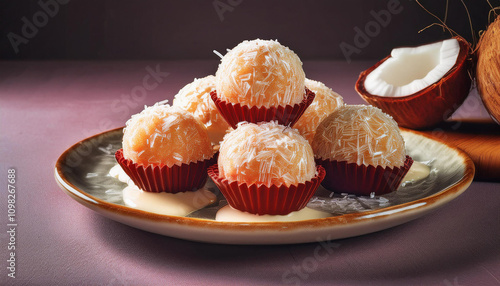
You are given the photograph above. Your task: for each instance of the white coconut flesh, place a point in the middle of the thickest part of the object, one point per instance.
(410, 70)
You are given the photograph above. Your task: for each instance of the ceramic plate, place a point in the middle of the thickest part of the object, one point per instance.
(82, 172)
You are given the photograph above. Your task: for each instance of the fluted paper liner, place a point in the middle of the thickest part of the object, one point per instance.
(343, 177)
(285, 115)
(260, 199)
(161, 178)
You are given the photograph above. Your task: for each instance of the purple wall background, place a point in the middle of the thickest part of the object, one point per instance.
(190, 29)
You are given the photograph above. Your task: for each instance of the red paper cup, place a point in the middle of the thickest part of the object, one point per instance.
(285, 115)
(343, 177)
(160, 178)
(260, 199)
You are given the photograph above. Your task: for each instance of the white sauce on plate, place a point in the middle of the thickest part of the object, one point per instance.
(417, 172)
(182, 204)
(117, 172)
(179, 204)
(230, 214)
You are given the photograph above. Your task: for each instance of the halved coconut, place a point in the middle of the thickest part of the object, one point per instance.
(419, 86)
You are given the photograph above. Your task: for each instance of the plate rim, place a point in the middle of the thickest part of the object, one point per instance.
(431, 202)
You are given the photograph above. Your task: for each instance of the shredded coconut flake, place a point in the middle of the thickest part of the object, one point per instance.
(195, 98)
(261, 73)
(360, 134)
(325, 102)
(266, 153)
(163, 134)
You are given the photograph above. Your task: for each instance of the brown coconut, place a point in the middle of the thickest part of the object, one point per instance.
(488, 69)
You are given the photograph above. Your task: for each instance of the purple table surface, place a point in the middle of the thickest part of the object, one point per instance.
(45, 107)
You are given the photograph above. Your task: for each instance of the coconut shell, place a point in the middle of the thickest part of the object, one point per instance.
(488, 69)
(430, 105)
